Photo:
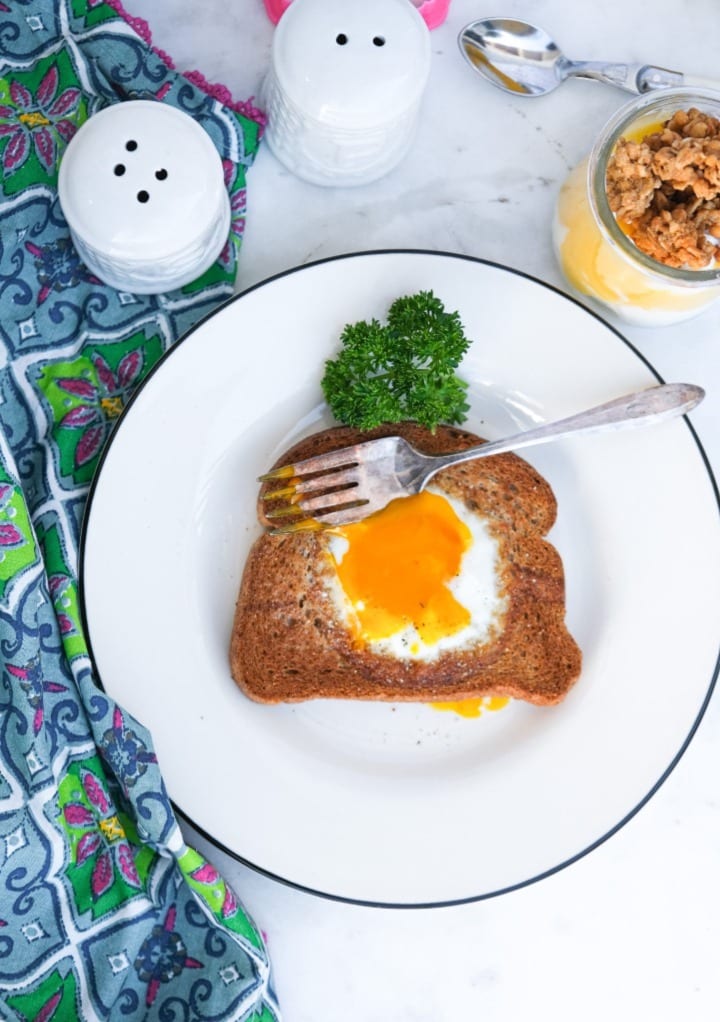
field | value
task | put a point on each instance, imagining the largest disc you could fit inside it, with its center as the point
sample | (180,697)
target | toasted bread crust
(288,643)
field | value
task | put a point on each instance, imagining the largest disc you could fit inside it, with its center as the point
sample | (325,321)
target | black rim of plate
(86,625)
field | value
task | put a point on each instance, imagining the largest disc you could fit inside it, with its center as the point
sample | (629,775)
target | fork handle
(641,408)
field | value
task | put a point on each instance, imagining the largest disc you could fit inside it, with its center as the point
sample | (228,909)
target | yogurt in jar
(596,250)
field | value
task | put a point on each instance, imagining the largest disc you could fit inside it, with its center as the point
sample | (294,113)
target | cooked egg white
(418,578)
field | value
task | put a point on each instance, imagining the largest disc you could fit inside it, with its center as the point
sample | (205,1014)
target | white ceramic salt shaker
(344,88)
(141,186)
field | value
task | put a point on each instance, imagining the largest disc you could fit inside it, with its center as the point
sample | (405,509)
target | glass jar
(597,257)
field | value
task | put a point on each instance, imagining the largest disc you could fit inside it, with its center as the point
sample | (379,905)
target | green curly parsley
(402,370)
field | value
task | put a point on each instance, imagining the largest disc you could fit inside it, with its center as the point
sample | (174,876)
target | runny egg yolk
(397,567)
(474,707)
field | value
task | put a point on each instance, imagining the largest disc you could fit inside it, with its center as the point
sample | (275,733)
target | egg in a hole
(454,594)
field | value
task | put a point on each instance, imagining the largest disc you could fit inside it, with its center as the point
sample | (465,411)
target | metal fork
(348,484)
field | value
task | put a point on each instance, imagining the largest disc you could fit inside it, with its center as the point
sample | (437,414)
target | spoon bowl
(523,60)
(517,57)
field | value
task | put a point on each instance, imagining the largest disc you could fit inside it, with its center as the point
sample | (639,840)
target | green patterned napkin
(104,912)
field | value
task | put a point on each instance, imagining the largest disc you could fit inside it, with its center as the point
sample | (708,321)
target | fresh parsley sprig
(404,369)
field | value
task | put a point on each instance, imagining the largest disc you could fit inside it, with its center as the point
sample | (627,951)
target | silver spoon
(522,59)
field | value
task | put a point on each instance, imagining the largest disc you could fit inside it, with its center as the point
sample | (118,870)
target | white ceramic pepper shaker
(141,186)
(344,88)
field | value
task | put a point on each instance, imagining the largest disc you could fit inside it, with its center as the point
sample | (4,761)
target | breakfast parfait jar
(637,224)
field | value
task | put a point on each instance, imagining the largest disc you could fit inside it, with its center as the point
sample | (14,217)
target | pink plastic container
(433,11)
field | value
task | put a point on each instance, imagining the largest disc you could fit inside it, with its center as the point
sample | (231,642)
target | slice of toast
(290,643)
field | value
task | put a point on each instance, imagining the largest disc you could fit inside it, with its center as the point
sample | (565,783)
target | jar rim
(671,100)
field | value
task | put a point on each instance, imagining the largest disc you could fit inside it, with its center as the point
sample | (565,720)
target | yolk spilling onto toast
(398,565)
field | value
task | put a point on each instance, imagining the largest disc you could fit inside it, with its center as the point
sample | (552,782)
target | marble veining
(631,931)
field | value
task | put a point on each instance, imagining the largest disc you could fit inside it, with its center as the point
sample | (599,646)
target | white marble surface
(632,931)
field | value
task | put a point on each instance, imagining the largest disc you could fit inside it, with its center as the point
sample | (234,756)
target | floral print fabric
(104,911)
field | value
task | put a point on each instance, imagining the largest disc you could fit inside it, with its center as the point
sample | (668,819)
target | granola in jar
(637,225)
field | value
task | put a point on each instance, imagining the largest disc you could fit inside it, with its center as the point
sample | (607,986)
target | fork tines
(343,456)
(307,486)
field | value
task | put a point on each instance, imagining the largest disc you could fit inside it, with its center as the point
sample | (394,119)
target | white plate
(402,804)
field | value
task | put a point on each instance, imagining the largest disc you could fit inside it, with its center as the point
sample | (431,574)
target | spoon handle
(651,77)
(639,77)
(622,76)
(699,82)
